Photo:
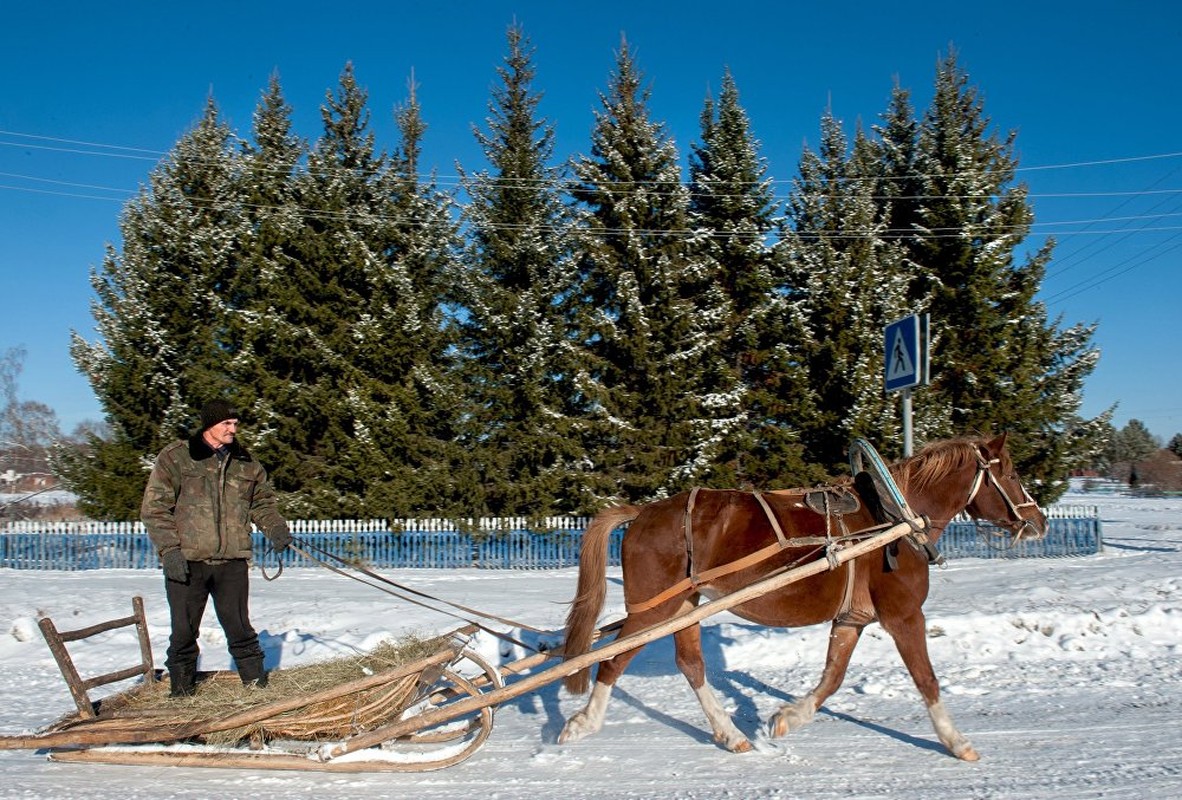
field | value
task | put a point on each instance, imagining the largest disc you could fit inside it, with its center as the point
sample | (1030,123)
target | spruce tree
(260,337)
(521,367)
(161,313)
(428,466)
(849,281)
(1175,445)
(302,309)
(760,385)
(998,362)
(346,318)
(899,182)
(1135,442)
(649,432)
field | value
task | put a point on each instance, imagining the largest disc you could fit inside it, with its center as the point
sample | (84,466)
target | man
(201,498)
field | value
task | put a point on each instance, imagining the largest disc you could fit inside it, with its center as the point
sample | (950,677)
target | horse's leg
(843,638)
(910,635)
(688,644)
(590,718)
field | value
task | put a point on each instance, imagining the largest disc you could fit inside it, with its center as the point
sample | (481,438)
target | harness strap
(688,527)
(847,598)
(983,468)
(695,579)
(767,510)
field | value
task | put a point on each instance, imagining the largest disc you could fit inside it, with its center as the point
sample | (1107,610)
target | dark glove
(280,539)
(176,566)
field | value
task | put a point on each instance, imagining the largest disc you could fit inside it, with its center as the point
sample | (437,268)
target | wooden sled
(289,732)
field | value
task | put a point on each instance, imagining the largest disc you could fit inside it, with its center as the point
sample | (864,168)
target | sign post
(906,364)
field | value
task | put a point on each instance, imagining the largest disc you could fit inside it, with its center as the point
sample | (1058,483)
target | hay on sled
(344,715)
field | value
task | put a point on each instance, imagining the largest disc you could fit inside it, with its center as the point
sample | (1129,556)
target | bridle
(985,472)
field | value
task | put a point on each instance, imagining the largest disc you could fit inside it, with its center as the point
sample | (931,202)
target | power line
(1134,224)
(1056,228)
(1104,162)
(56,182)
(122,151)
(1114,271)
(39,137)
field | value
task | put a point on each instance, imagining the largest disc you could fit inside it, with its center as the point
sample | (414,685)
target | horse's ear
(997,444)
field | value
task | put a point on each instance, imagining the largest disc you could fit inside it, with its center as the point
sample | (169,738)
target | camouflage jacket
(205,505)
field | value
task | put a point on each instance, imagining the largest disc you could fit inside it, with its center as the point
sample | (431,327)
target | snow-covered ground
(1065,674)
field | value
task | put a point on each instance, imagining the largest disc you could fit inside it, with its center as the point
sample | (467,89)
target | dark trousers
(229,585)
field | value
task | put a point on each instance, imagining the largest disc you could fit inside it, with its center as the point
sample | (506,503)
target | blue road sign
(903,367)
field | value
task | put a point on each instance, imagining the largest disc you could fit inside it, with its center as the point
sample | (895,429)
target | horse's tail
(592,589)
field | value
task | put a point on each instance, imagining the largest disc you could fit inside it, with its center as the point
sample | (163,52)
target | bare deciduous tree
(27,428)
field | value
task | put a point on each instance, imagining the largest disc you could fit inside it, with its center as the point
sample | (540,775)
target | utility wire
(1089,248)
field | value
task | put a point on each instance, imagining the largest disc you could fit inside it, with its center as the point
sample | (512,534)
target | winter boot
(251,671)
(183,681)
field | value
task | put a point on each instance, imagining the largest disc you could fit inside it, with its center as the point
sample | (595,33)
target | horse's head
(972,475)
(998,496)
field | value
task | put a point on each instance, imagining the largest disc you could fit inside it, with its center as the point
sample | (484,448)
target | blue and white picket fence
(444,544)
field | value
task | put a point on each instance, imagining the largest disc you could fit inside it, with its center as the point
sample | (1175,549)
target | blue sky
(93,99)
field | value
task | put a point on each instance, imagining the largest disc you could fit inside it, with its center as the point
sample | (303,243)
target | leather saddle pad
(832,500)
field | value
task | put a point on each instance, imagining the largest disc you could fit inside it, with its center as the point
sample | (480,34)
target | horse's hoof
(736,743)
(789,718)
(783,724)
(576,728)
(968,754)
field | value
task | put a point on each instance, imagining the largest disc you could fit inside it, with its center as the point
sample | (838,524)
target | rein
(263,567)
(403,592)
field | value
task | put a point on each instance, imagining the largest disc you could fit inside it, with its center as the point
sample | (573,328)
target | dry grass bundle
(349,713)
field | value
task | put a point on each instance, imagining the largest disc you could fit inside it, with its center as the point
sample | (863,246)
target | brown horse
(709,543)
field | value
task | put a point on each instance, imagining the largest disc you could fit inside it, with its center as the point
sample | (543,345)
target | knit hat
(216,411)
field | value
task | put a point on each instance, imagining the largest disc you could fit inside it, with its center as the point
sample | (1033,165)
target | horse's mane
(935,460)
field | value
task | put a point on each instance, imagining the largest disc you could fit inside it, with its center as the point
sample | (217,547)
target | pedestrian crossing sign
(905,365)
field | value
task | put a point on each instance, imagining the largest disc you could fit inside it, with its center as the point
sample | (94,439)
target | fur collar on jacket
(199,450)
